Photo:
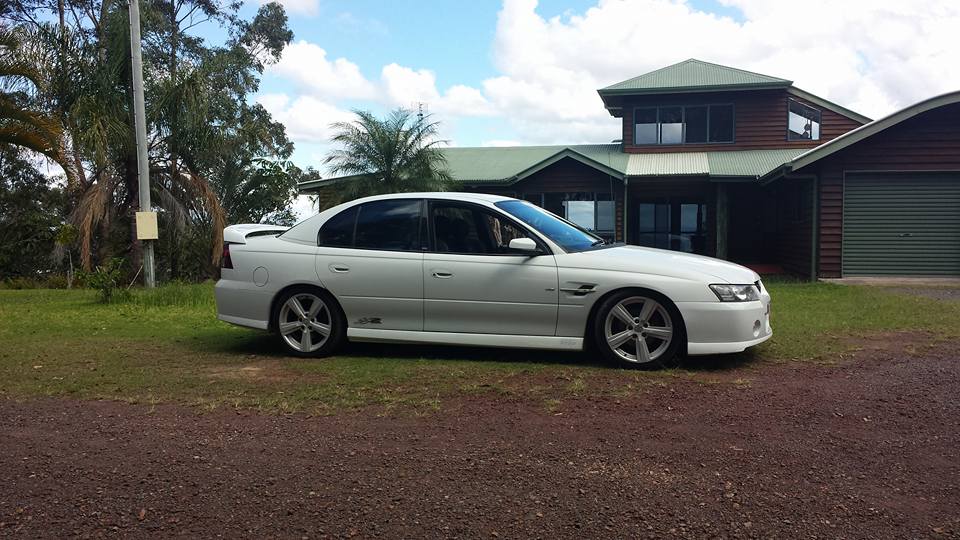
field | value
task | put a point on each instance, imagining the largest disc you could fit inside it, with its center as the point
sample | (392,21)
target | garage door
(901,224)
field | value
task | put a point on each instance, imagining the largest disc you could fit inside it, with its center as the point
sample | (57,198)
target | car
(473,269)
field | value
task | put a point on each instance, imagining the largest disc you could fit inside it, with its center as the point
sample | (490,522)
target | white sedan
(481,270)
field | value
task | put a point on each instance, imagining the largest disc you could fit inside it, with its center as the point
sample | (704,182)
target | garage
(887,196)
(901,224)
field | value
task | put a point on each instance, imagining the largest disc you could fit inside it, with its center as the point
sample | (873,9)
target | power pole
(146,219)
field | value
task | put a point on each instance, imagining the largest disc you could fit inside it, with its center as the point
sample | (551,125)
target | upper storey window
(675,124)
(803,122)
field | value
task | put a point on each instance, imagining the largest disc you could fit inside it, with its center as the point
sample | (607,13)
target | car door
(371,259)
(473,283)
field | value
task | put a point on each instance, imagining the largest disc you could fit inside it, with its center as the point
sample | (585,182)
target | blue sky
(526,72)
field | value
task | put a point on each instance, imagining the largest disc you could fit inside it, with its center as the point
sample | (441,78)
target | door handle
(339,268)
(442,274)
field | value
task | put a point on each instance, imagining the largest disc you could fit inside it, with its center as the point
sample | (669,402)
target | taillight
(225,261)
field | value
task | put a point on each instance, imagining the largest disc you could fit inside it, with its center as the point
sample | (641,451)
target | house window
(803,122)
(672,224)
(721,123)
(645,126)
(592,211)
(671,125)
(695,124)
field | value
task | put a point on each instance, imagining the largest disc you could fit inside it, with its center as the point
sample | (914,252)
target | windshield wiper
(598,243)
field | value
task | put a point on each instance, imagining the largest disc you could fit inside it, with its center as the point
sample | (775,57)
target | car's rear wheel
(639,329)
(309,322)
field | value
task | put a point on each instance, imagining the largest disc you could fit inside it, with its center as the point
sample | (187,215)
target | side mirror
(524,245)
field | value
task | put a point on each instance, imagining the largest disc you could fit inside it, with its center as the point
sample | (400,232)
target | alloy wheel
(304,322)
(638,329)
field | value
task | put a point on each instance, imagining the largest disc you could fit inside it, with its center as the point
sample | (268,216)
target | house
(747,167)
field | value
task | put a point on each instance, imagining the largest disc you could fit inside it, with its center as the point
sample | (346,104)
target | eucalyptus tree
(399,153)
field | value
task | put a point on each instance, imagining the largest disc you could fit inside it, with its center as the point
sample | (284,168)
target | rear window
(392,225)
(338,230)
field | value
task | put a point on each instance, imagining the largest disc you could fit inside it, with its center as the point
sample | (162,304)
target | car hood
(660,262)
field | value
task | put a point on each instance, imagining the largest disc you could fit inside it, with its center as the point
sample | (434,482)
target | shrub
(106,279)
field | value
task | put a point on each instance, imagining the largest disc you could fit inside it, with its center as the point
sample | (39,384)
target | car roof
(442,195)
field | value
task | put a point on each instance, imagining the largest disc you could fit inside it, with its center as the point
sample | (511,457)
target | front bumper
(725,327)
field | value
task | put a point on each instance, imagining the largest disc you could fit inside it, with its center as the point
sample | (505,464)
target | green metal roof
(744,164)
(755,163)
(493,165)
(504,165)
(691,76)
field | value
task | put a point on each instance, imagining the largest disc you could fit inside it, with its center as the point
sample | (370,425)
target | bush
(106,279)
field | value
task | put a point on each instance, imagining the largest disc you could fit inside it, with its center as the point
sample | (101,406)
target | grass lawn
(167,346)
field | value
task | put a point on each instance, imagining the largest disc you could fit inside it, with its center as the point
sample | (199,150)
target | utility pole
(146,219)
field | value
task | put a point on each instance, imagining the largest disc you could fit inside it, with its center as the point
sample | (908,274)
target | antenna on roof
(421,107)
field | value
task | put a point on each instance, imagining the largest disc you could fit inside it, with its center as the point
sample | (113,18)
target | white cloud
(307,64)
(873,56)
(405,87)
(301,7)
(307,118)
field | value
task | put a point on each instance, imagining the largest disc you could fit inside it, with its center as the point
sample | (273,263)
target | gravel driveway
(869,447)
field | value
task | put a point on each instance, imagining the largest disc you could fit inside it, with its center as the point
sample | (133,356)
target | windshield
(562,232)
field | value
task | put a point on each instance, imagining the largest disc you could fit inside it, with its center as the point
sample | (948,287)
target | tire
(639,329)
(309,323)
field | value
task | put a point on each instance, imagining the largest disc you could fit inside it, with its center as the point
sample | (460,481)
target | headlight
(736,293)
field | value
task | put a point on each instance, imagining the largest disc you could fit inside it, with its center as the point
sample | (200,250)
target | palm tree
(396,154)
(19,125)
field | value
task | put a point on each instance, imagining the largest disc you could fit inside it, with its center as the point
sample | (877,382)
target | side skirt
(481,340)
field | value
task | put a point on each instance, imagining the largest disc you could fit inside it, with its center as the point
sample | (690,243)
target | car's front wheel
(639,329)
(309,322)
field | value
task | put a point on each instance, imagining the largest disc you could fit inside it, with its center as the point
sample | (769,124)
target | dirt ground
(868,447)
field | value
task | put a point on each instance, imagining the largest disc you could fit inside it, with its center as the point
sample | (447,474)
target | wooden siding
(761,121)
(566,175)
(927,142)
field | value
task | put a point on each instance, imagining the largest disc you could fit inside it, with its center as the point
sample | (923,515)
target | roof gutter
(604,92)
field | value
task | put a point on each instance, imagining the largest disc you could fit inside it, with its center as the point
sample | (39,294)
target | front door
(474,284)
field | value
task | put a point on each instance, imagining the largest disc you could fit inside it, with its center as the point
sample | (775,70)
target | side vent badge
(583,290)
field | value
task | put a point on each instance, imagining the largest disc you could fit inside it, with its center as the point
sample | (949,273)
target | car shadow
(266,345)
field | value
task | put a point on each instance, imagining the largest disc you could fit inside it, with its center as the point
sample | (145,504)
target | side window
(502,232)
(803,122)
(469,230)
(338,230)
(392,225)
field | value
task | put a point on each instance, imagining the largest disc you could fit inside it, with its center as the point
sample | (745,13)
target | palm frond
(193,183)
(395,154)
(94,205)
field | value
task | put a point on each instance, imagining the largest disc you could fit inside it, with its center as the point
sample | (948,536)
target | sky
(526,72)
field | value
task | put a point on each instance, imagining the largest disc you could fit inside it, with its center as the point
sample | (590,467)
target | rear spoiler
(238,234)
